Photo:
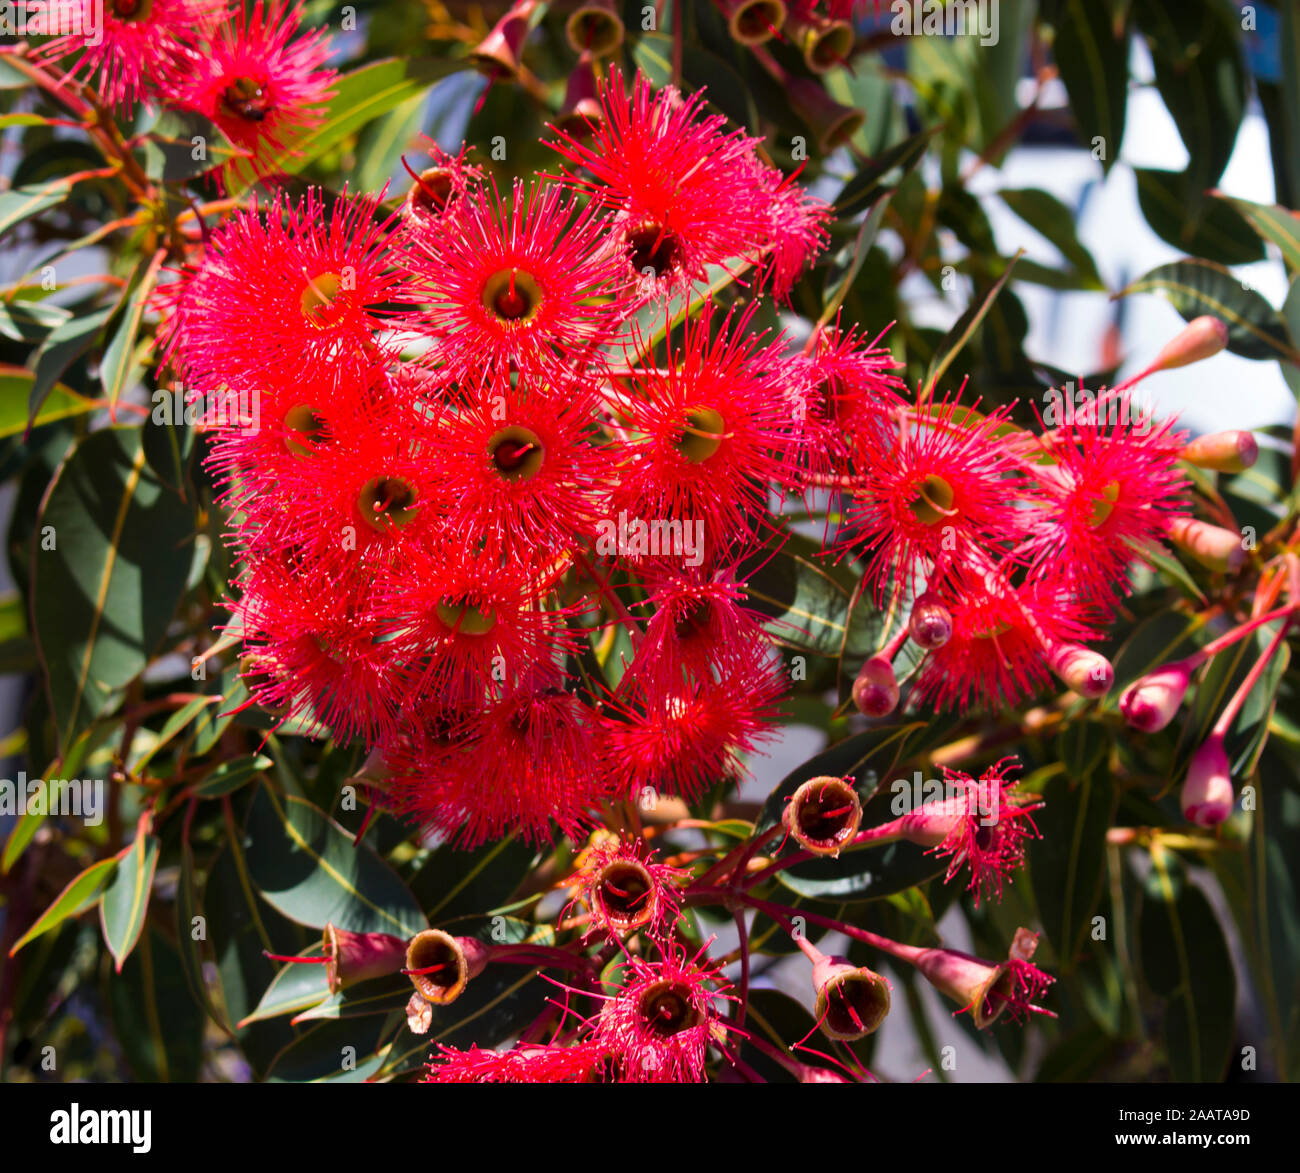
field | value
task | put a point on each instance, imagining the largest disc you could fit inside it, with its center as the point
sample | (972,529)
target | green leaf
(451,882)
(1275,223)
(21,203)
(126,900)
(169,148)
(189,920)
(1068,864)
(1195,47)
(345,1050)
(104,590)
(882,174)
(1288,105)
(81,892)
(230,776)
(306,867)
(806,606)
(847,263)
(1185,960)
(963,328)
(158,1023)
(1092,55)
(296,987)
(29,321)
(118,369)
(360,97)
(1194,287)
(66,343)
(1052,220)
(1194,223)
(18,387)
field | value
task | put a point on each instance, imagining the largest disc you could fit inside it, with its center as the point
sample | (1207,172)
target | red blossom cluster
(461,441)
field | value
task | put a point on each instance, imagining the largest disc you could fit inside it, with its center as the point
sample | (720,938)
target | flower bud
(497,55)
(1201,338)
(875,691)
(824,43)
(440,965)
(1233,451)
(832,123)
(1208,797)
(930,625)
(1212,546)
(581,110)
(852,1001)
(1149,704)
(751,22)
(1087,672)
(358,957)
(824,814)
(595,27)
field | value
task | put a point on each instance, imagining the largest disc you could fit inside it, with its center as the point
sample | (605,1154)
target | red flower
(1110,496)
(467,628)
(315,649)
(699,630)
(516,766)
(519,281)
(660,1024)
(1002,637)
(258,84)
(682,188)
(140,41)
(290,289)
(527,1063)
(981,826)
(943,487)
(687,738)
(514,464)
(624,889)
(704,435)
(845,397)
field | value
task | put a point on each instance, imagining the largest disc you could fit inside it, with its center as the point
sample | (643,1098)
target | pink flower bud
(1149,704)
(1201,338)
(1212,546)
(930,625)
(875,691)
(1208,796)
(1087,672)
(1223,451)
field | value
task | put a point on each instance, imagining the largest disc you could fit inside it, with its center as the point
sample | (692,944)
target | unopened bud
(875,691)
(1201,338)
(1211,545)
(1149,704)
(930,625)
(1087,672)
(1208,797)
(1233,451)
(824,814)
